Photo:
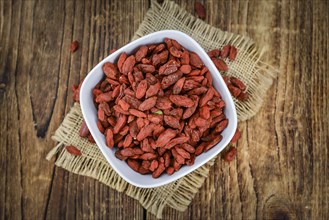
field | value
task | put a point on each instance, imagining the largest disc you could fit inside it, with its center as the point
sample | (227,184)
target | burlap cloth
(178,195)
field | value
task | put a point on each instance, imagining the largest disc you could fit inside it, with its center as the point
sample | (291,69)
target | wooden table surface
(281,171)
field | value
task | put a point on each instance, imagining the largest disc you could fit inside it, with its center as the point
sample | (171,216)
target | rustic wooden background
(281,171)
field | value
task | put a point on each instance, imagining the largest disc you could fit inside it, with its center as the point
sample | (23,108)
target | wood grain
(281,171)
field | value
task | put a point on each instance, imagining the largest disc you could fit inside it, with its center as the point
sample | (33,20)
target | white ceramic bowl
(90,113)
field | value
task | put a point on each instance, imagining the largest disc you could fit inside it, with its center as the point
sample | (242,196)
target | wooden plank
(318,87)
(11,188)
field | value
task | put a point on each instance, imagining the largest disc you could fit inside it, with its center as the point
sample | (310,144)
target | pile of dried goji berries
(158,106)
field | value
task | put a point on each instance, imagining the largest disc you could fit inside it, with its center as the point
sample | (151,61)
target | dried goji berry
(73,150)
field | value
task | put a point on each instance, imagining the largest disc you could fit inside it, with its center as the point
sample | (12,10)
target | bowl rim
(169,34)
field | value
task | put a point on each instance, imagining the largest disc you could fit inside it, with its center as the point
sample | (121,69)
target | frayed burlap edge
(179,194)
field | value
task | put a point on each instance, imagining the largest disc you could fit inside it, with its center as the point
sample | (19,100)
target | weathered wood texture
(281,171)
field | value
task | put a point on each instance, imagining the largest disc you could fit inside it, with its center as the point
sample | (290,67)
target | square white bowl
(89,110)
